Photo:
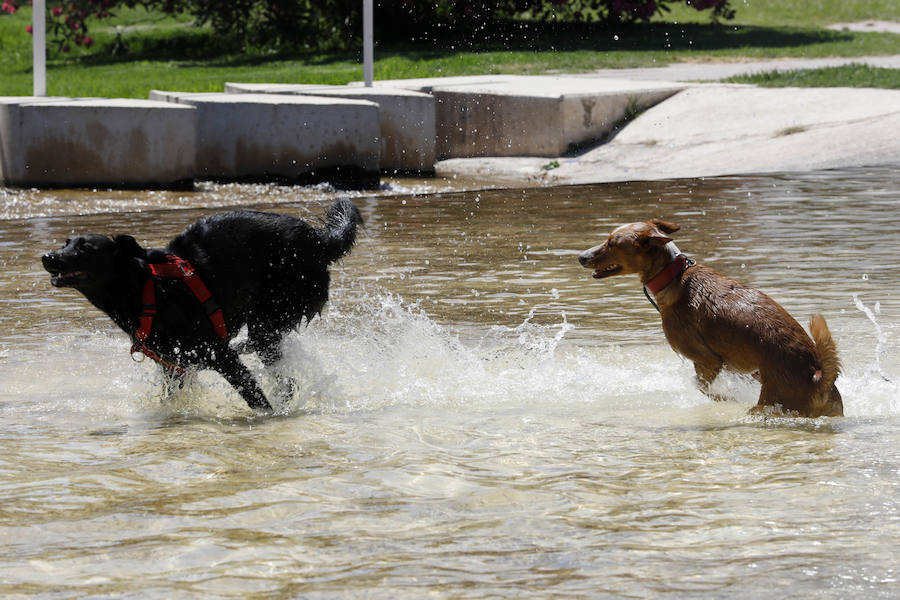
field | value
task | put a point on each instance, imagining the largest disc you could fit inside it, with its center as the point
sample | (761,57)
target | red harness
(174,268)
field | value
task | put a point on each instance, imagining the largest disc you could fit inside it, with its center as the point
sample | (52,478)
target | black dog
(263,270)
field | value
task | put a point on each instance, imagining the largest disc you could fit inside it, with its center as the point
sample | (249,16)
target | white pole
(39,46)
(368,43)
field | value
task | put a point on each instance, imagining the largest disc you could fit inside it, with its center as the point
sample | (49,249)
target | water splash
(880,337)
(377,352)
(871,390)
(383,352)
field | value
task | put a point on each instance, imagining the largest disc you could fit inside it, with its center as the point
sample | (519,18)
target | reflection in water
(476,416)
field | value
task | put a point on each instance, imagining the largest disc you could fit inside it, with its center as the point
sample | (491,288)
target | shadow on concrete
(202,44)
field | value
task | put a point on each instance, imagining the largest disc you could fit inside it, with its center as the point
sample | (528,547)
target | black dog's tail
(339,230)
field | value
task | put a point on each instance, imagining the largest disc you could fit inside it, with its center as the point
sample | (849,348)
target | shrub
(321,24)
(618,11)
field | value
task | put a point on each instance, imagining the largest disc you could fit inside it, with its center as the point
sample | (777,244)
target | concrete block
(62,142)
(406,119)
(427,84)
(536,116)
(257,137)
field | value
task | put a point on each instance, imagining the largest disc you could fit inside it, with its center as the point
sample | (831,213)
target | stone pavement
(721,129)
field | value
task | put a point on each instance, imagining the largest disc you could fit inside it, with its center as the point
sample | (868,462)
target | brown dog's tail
(827,350)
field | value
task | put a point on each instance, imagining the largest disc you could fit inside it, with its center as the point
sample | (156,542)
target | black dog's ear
(127,247)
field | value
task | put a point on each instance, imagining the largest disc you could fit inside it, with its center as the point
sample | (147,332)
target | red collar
(678,266)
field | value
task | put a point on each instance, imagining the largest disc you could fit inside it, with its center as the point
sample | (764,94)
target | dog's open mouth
(606,271)
(67,278)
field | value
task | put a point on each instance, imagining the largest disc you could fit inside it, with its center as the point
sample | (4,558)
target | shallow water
(477,417)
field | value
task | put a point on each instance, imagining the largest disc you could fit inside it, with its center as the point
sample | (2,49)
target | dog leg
(233,370)
(706,374)
(771,403)
(270,354)
(268,347)
(264,338)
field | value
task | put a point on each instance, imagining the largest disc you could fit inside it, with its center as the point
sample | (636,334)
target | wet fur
(266,271)
(719,323)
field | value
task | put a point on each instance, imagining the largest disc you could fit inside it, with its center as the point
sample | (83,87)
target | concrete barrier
(61,142)
(406,119)
(537,116)
(299,139)
(515,115)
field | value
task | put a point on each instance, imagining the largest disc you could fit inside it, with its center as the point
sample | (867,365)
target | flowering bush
(67,22)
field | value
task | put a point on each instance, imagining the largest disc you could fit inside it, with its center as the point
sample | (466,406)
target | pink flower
(7,7)
(30,30)
(88,41)
(57,10)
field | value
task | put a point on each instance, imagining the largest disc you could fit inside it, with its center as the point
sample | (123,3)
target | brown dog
(719,323)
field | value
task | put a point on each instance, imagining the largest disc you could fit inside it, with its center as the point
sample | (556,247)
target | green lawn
(847,76)
(169,54)
(799,13)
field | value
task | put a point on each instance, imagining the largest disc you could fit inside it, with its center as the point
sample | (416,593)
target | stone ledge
(539,116)
(513,115)
(406,119)
(88,142)
(268,137)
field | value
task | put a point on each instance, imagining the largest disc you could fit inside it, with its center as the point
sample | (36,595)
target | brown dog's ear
(665,226)
(127,247)
(656,239)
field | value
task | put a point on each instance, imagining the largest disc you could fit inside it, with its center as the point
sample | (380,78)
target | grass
(169,54)
(791,131)
(798,13)
(846,76)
